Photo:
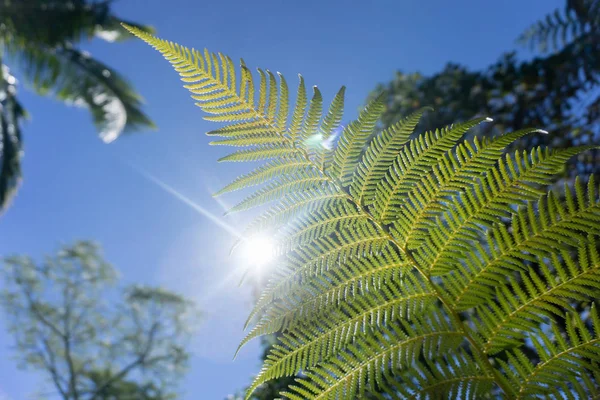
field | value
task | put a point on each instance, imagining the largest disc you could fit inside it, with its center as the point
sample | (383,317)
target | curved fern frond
(302,180)
(535,233)
(265,173)
(325,254)
(363,363)
(380,296)
(416,158)
(295,206)
(452,175)
(384,242)
(514,180)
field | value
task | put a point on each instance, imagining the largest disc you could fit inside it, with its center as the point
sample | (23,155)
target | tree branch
(139,360)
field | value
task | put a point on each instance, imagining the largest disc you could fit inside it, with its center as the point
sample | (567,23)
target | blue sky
(77,187)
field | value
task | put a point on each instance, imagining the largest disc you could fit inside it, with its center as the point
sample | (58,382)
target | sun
(258,251)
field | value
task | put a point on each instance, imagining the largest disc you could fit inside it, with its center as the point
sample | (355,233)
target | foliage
(414,267)
(558,89)
(123,390)
(87,345)
(40,37)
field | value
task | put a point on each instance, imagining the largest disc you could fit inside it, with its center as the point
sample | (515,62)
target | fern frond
(331,124)
(535,233)
(379,296)
(321,223)
(325,254)
(266,173)
(416,158)
(380,155)
(352,141)
(383,242)
(454,376)
(364,362)
(261,153)
(514,180)
(311,122)
(452,175)
(304,181)
(568,366)
(294,206)
(541,294)
(299,111)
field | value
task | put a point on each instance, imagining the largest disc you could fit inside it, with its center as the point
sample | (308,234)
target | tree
(122,389)
(409,268)
(87,340)
(556,90)
(40,38)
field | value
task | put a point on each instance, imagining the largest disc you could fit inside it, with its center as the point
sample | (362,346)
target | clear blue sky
(77,187)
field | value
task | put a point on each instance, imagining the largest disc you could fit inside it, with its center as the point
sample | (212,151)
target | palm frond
(77,78)
(11,116)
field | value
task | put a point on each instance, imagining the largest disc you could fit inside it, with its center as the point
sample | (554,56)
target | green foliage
(39,37)
(88,346)
(122,389)
(409,266)
(557,89)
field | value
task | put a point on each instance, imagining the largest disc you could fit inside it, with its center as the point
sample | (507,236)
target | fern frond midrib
(548,293)
(554,357)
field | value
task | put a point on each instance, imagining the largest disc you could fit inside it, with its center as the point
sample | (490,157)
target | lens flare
(258,251)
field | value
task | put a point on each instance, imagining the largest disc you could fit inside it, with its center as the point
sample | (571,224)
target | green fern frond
(325,254)
(380,155)
(364,362)
(455,376)
(265,173)
(415,159)
(299,111)
(352,141)
(261,153)
(421,268)
(539,295)
(311,122)
(568,365)
(379,297)
(514,180)
(452,175)
(536,233)
(307,180)
(295,206)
